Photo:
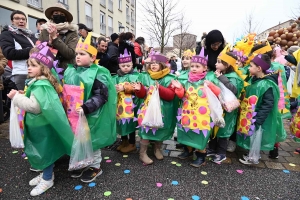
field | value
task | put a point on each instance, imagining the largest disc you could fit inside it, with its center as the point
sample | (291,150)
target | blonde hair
(45,71)
(161,66)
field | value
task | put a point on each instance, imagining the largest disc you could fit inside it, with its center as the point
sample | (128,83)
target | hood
(272,76)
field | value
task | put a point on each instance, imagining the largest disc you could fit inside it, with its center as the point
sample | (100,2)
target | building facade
(184,41)
(103,16)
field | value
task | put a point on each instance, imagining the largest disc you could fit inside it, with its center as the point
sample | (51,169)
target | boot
(200,159)
(143,154)
(187,153)
(128,148)
(157,151)
(123,144)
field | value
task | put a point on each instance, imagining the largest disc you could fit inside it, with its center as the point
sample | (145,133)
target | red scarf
(196,77)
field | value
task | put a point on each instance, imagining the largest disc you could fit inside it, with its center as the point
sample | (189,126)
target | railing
(128,19)
(132,22)
(102,29)
(132,2)
(103,3)
(110,5)
(89,21)
(35,3)
(110,31)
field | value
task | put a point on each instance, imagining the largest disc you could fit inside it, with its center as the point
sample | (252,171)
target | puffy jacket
(137,49)
(113,53)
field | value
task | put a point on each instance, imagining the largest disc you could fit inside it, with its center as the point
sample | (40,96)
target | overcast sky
(228,16)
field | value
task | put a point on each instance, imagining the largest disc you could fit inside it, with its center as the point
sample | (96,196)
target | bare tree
(250,25)
(295,13)
(159,20)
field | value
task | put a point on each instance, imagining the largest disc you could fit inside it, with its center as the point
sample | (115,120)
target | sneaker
(218,158)
(211,152)
(78,173)
(246,156)
(35,181)
(35,170)
(91,174)
(42,187)
(273,154)
(231,146)
(248,162)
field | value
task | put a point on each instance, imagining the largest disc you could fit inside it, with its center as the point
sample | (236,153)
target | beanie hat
(114,36)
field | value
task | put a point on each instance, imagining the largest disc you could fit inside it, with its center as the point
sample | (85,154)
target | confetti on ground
(204,173)
(178,165)
(292,165)
(92,184)
(108,161)
(295,152)
(158,184)
(173,163)
(1,190)
(118,164)
(195,197)
(25,158)
(23,155)
(286,171)
(244,198)
(204,182)
(174,182)
(128,199)
(239,171)
(106,158)
(127,171)
(14,152)
(107,193)
(125,156)
(170,199)
(78,187)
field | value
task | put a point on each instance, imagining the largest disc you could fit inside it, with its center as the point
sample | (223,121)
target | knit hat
(114,36)
(200,58)
(125,58)
(260,62)
(86,45)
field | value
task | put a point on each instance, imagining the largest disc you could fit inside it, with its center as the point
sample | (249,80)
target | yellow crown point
(226,58)
(86,45)
(81,85)
(189,53)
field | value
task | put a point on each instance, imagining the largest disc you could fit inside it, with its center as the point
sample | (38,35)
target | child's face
(125,67)
(83,58)
(197,68)
(239,63)
(220,66)
(34,69)
(186,61)
(254,69)
(154,66)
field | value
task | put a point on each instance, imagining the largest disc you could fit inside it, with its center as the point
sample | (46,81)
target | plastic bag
(290,82)
(216,110)
(228,99)
(15,135)
(82,150)
(153,117)
(255,142)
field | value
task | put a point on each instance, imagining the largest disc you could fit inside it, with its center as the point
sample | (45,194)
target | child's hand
(21,91)
(157,84)
(176,84)
(12,93)
(119,88)
(218,73)
(207,82)
(78,110)
(136,86)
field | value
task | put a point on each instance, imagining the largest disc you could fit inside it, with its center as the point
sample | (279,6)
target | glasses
(216,45)
(19,18)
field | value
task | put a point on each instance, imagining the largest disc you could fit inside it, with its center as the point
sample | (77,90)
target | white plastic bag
(15,136)
(82,149)
(255,142)
(216,110)
(228,99)
(290,81)
(153,117)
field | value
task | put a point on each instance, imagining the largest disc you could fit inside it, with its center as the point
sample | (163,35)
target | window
(110,5)
(127,29)
(4,17)
(103,3)
(127,14)
(120,25)
(132,2)
(35,3)
(120,4)
(88,15)
(110,25)
(132,17)
(102,23)
(31,24)
(63,2)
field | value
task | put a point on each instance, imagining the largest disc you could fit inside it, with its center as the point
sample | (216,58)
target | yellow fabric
(240,74)
(124,105)
(160,74)
(296,88)
(263,49)
(226,58)
(86,45)
(189,53)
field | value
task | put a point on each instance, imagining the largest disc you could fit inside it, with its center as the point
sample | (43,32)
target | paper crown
(44,56)
(226,58)
(264,49)
(260,62)
(125,58)
(200,58)
(156,56)
(86,45)
(189,53)
(243,58)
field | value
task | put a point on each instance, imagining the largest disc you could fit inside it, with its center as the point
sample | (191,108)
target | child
(259,108)
(186,63)
(99,103)
(45,121)
(226,73)
(157,75)
(195,124)
(127,105)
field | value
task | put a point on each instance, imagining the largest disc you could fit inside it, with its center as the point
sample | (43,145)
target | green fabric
(245,71)
(230,118)
(102,122)
(127,128)
(168,109)
(48,135)
(270,132)
(183,77)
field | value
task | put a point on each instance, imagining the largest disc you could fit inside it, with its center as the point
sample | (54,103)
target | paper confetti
(158,184)
(106,158)
(92,184)
(14,152)
(244,198)
(127,171)
(204,173)
(195,197)
(0,190)
(204,182)
(295,152)
(170,199)
(174,182)
(292,165)
(107,193)
(78,187)
(286,171)
(125,156)
(118,164)
(173,163)
(178,165)
(23,155)
(25,158)
(240,171)
(128,199)
(108,161)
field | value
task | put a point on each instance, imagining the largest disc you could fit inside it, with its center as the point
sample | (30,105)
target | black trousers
(131,138)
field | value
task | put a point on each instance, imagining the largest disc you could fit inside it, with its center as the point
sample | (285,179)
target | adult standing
(139,51)
(126,42)
(214,44)
(60,34)
(16,41)
(38,25)
(173,64)
(102,55)
(113,53)
(83,31)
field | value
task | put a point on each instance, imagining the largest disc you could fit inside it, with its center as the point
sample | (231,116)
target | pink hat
(200,58)
(44,56)
(156,56)
(125,58)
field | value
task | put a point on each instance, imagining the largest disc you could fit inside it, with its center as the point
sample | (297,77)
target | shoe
(186,153)
(90,174)
(218,158)
(297,150)
(36,180)
(273,154)
(248,162)
(179,146)
(123,144)
(35,170)
(211,152)
(143,154)
(231,146)
(157,151)
(78,173)
(200,160)
(42,187)
(128,148)
(246,156)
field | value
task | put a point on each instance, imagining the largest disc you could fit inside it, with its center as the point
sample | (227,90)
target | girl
(186,63)
(157,75)
(42,123)
(127,105)
(195,125)
(225,72)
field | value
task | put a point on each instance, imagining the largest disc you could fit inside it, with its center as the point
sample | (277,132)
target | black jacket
(103,59)
(113,52)
(173,66)
(124,45)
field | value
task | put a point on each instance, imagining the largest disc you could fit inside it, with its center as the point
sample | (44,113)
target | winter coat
(130,48)
(138,49)
(3,63)
(113,53)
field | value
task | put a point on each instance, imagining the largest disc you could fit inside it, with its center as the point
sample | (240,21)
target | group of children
(119,104)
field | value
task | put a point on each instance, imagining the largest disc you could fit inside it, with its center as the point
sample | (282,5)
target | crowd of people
(222,96)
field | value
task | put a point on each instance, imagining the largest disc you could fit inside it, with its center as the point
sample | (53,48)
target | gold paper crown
(226,58)
(189,53)
(86,45)
(264,49)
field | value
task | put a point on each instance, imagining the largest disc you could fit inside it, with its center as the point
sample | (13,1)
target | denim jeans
(47,172)
(97,159)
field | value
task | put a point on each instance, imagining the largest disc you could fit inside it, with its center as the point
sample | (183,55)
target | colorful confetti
(92,184)
(178,165)
(170,199)
(204,182)
(78,187)
(240,171)
(108,161)
(195,197)
(26,158)
(244,198)
(174,182)
(173,163)
(295,152)
(158,184)
(292,165)
(106,158)
(125,156)
(118,164)
(204,173)
(286,171)
(14,152)
(107,193)
(127,171)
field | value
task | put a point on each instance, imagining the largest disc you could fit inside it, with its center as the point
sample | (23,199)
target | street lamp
(121,29)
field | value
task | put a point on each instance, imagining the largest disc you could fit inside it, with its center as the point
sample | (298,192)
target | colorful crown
(226,58)
(44,56)
(189,53)
(200,58)
(260,62)
(156,56)
(243,58)
(264,49)
(125,58)
(86,45)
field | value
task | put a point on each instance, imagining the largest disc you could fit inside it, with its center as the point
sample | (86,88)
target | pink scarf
(196,77)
